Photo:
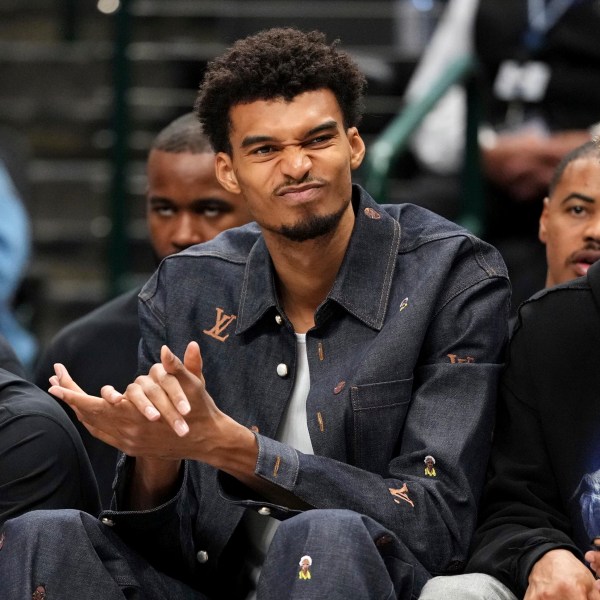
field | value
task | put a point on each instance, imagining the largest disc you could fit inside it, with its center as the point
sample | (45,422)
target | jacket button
(202,556)
(108,522)
(282,370)
(265,511)
(278,319)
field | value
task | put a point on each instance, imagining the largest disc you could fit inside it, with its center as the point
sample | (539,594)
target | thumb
(192,359)
(171,363)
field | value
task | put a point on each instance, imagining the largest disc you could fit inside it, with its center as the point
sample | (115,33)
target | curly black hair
(276,63)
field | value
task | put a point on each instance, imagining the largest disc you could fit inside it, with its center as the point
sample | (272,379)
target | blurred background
(85,86)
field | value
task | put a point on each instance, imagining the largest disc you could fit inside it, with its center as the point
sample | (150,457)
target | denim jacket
(404,360)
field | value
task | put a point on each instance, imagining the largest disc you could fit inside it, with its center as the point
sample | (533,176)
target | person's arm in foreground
(524,537)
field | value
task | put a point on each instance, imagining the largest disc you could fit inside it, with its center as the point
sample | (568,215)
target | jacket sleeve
(522,511)
(450,417)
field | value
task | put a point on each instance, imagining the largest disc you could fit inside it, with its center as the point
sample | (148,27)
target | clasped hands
(165,414)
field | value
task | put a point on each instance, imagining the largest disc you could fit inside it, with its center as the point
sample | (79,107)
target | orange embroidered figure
(401,494)
(429,466)
(305,564)
(223,322)
(454,359)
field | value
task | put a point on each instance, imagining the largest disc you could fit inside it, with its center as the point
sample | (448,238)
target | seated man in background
(533,532)
(185,205)
(43,463)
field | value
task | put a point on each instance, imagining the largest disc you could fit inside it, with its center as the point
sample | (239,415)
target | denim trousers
(68,554)
(471,586)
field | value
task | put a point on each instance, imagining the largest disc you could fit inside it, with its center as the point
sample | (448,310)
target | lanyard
(542,17)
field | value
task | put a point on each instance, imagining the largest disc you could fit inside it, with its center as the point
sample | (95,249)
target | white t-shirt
(293,430)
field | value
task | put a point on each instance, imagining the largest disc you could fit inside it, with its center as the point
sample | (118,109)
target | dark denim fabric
(404,361)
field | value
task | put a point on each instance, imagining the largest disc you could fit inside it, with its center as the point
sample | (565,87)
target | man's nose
(295,162)
(188,231)
(592,230)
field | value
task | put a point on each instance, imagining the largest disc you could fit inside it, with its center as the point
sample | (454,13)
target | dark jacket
(42,461)
(546,447)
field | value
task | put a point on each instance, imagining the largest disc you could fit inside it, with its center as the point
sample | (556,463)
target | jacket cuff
(277,462)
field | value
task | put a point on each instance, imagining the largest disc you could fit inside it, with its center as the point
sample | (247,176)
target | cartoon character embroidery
(429,468)
(305,564)
(401,494)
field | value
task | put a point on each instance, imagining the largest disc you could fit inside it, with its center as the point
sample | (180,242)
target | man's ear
(225,173)
(542,233)
(357,148)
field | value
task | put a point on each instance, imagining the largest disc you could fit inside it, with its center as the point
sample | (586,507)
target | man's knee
(470,586)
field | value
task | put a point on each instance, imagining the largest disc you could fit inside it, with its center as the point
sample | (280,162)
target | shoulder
(117,312)
(8,358)
(222,257)
(21,398)
(233,245)
(428,231)
(564,306)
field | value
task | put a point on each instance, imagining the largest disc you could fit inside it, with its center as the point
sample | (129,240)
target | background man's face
(186,205)
(570,222)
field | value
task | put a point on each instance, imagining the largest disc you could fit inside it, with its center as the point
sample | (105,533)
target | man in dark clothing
(185,205)
(43,463)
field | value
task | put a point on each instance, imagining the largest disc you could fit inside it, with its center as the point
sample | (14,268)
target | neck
(307,270)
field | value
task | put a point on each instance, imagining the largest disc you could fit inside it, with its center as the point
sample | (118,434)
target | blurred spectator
(15,247)
(536,61)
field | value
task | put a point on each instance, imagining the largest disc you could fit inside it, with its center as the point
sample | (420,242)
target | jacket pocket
(379,411)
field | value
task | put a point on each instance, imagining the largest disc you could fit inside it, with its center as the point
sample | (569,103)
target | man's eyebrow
(159,200)
(260,139)
(578,196)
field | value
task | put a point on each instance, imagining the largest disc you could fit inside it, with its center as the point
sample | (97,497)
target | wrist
(153,482)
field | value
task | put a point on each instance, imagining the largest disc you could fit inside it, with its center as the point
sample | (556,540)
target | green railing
(393,141)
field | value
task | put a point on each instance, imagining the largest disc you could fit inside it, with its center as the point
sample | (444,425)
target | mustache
(590,253)
(308,179)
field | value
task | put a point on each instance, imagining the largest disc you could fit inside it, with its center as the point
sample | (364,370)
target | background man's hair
(184,134)
(589,149)
(276,63)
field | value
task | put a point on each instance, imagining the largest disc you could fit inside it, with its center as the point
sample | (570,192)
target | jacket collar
(363,283)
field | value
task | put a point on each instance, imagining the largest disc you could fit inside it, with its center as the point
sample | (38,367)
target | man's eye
(263,150)
(322,139)
(577,210)
(164,211)
(211,213)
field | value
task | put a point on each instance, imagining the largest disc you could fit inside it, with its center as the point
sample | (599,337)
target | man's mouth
(583,260)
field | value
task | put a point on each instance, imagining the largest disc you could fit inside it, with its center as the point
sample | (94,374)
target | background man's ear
(225,173)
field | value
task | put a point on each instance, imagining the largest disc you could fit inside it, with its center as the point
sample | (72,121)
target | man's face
(570,222)
(293,163)
(185,204)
